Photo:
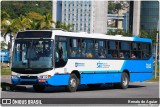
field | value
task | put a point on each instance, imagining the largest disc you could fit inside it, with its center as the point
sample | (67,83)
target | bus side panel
(58,80)
(100,78)
(138,65)
(139,77)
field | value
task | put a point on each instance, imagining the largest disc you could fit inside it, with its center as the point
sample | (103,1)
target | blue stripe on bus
(139,77)
(112,78)
(97,71)
(100,78)
(63,79)
(58,80)
(136,38)
(137,65)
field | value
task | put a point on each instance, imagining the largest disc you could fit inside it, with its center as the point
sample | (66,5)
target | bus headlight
(44,76)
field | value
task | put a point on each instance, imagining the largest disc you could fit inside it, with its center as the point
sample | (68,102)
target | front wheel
(73,83)
(38,88)
(124,81)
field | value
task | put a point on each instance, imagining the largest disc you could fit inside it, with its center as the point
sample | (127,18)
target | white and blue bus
(59,58)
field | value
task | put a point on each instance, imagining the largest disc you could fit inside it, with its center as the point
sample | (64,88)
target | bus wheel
(73,83)
(38,88)
(93,86)
(124,81)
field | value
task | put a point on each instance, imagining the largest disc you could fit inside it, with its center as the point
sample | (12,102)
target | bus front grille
(28,77)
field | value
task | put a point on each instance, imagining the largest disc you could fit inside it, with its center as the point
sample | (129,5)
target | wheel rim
(73,83)
(125,81)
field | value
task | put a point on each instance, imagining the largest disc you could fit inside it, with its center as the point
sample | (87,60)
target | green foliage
(5,71)
(114,7)
(119,32)
(3,44)
(4,15)
(17,8)
(145,34)
(30,15)
(64,26)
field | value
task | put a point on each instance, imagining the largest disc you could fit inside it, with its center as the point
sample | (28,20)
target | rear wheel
(38,88)
(124,81)
(73,83)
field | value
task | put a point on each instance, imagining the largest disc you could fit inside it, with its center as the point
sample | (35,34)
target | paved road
(135,90)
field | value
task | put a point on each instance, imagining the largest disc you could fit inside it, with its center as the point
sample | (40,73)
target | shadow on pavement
(51,89)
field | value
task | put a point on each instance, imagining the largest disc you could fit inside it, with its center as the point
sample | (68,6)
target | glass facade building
(149,15)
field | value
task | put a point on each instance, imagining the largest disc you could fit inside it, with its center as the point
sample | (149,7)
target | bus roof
(92,35)
(100,36)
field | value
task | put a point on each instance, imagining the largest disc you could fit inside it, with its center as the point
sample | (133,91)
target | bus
(59,58)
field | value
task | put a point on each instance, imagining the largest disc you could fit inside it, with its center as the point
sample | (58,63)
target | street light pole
(156,52)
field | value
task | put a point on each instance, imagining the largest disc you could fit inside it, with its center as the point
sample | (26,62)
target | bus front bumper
(56,80)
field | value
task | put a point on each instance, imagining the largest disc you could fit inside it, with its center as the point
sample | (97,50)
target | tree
(22,23)
(3,44)
(119,32)
(145,34)
(64,26)
(17,8)
(4,15)
(115,7)
(40,22)
(46,22)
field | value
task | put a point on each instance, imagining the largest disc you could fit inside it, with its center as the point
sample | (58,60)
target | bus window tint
(112,49)
(136,50)
(146,50)
(87,48)
(124,50)
(61,52)
(75,48)
(100,49)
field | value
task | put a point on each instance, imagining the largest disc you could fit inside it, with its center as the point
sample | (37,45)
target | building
(85,16)
(149,15)
(143,15)
(118,21)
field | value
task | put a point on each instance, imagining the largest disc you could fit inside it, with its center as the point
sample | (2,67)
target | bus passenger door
(60,53)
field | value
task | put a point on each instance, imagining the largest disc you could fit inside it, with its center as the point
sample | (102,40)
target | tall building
(143,15)
(149,15)
(85,16)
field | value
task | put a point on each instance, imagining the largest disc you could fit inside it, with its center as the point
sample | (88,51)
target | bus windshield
(33,53)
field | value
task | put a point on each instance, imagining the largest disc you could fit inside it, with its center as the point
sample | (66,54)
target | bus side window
(113,49)
(87,48)
(75,48)
(146,50)
(124,49)
(100,51)
(136,49)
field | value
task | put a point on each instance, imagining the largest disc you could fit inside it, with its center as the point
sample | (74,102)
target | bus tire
(124,81)
(38,88)
(73,83)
